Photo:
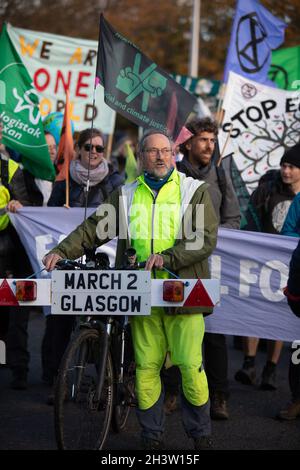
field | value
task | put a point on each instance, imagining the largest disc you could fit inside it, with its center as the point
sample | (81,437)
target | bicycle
(95,383)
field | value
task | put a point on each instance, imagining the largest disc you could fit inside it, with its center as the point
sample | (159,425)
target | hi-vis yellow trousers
(181,336)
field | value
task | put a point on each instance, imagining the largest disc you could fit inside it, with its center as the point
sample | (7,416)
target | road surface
(27,421)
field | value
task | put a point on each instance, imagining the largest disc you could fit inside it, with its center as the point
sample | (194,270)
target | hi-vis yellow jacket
(185,256)
(8,168)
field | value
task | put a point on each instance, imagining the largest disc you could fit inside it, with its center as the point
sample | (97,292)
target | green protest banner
(19,112)
(285,67)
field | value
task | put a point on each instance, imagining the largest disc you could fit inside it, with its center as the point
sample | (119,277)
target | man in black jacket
(292,291)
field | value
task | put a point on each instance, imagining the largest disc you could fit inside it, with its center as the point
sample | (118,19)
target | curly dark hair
(202,125)
(87,135)
(196,126)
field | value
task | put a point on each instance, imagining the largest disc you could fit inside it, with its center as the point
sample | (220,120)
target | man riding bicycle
(169,220)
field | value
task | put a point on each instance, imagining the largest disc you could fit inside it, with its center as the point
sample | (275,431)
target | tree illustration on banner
(264,121)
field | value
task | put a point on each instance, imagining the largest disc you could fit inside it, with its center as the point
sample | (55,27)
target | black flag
(137,88)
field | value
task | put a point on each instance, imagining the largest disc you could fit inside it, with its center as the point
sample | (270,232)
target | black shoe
(203,443)
(246,375)
(19,381)
(268,379)
(218,407)
(152,444)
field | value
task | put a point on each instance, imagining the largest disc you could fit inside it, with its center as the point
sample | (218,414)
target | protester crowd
(276,202)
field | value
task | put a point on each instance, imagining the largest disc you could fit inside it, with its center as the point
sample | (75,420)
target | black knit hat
(292,156)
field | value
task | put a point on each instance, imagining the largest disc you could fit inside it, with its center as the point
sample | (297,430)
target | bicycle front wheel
(82,411)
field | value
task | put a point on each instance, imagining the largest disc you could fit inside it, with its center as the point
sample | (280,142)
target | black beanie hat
(292,156)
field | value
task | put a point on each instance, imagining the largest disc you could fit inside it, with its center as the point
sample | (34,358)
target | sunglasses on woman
(98,148)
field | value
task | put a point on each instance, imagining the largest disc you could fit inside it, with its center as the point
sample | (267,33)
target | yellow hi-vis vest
(4,192)
(153,229)
(155,220)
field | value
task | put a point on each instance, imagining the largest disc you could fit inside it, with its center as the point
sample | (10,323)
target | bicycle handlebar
(72,264)
(69,263)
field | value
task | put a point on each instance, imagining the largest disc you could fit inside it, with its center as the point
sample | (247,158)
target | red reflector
(7,297)
(173,291)
(26,290)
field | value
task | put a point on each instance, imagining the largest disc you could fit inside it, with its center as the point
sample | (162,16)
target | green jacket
(186,263)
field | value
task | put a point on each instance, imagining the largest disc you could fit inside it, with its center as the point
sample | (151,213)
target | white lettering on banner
(215,270)
(43,244)
(265,280)
(246,277)
(9,126)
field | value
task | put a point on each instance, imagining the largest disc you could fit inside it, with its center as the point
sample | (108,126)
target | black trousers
(216,363)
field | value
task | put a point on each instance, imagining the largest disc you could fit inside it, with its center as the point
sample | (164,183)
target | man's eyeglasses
(99,148)
(153,151)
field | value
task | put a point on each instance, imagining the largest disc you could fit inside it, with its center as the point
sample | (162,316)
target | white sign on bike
(101,292)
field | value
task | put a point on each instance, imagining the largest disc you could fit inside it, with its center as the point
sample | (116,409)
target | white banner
(263,121)
(56,63)
(253,269)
